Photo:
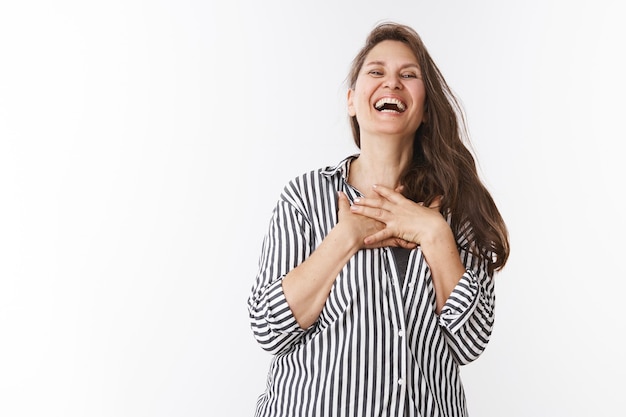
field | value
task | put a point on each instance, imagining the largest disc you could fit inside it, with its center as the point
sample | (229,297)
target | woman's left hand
(403,218)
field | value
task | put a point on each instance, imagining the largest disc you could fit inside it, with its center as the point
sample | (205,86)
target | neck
(381,162)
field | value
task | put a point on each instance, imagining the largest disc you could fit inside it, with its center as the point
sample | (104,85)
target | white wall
(143,144)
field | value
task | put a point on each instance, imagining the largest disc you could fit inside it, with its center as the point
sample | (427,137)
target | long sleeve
(468,315)
(286,244)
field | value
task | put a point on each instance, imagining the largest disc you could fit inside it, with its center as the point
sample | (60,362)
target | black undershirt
(402,260)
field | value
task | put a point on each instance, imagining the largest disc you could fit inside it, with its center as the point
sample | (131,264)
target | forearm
(442,256)
(307,286)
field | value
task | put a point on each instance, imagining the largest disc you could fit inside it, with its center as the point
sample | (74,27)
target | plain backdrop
(143,145)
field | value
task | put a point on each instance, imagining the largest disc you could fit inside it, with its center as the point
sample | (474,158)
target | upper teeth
(388,100)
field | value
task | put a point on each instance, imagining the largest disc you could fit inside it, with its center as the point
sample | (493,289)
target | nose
(393,82)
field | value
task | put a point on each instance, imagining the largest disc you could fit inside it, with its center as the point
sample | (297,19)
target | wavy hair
(442,164)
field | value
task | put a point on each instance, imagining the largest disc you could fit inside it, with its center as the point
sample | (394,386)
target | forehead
(390,50)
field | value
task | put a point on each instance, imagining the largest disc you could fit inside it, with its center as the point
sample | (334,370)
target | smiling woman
(375,280)
(393,66)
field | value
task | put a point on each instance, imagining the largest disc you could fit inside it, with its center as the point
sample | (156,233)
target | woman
(375,279)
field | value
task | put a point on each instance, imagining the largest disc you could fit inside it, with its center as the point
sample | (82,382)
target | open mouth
(390,105)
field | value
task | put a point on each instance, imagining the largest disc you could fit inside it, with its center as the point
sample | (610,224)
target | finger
(377,237)
(405,244)
(342,201)
(436,203)
(375,212)
(384,243)
(392,242)
(387,193)
(369,202)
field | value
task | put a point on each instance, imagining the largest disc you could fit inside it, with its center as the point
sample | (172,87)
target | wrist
(344,239)
(440,237)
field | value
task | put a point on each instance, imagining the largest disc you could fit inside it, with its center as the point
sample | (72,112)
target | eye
(375,73)
(409,75)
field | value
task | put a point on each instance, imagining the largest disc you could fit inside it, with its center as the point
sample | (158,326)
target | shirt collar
(342,168)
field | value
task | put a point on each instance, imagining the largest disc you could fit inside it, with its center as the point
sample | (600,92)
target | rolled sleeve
(273,323)
(287,243)
(467,317)
(461,303)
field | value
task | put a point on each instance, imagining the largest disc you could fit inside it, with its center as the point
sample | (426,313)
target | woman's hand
(400,217)
(413,222)
(363,226)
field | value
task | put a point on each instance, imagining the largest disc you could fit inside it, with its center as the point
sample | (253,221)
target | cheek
(420,103)
(421,94)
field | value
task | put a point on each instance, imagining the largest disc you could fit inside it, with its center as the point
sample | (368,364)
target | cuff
(279,315)
(461,303)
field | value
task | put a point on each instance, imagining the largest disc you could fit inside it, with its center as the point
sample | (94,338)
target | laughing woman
(375,279)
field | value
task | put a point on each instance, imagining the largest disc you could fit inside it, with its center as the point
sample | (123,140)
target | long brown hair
(442,164)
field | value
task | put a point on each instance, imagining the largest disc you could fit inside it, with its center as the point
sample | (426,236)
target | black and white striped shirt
(378,347)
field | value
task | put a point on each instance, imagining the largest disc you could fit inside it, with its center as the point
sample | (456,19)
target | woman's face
(388,96)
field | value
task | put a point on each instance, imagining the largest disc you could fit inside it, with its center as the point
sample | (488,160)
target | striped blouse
(378,347)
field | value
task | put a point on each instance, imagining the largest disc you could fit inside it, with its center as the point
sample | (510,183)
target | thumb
(342,201)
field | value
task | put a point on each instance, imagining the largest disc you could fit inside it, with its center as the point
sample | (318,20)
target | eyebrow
(382,63)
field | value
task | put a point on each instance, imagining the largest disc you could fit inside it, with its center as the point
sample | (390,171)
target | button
(400,381)
(401,333)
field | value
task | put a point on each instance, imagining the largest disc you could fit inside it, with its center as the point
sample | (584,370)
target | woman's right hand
(362,226)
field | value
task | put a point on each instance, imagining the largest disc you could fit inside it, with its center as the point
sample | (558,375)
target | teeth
(388,101)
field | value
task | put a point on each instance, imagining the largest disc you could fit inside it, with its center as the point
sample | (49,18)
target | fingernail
(357,200)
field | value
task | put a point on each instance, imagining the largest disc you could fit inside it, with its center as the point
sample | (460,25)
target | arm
(468,315)
(295,278)
(307,286)
(442,256)
(288,240)
(463,288)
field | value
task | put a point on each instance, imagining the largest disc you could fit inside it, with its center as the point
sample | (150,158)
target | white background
(143,145)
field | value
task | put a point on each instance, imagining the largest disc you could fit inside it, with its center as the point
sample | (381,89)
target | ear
(351,110)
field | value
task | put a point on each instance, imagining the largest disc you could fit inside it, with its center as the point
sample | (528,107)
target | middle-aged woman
(375,279)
